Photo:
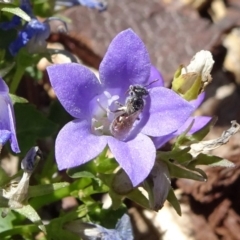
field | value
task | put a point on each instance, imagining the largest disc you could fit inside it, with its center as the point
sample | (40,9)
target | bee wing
(122,125)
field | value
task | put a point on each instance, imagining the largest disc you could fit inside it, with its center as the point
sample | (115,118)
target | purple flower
(199,122)
(95,105)
(90,231)
(101,5)
(7,119)
(34,35)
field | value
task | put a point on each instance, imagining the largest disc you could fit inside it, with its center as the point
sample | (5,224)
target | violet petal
(167,112)
(13,139)
(196,103)
(126,62)
(135,161)
(155,75)
(76,145)
(7,119)
(75,86)
(199,122)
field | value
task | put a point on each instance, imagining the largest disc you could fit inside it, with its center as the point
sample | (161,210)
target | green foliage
(16,11)
(31,126)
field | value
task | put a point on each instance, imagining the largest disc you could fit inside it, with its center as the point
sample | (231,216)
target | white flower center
(102,113)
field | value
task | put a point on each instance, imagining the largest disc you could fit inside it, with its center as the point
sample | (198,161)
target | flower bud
(190,81)
(158,184)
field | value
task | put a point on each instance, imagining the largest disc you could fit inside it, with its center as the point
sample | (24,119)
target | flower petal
(167,112)
(155,75)
(75,86)
(199,122)
(5,135)
(136,156)
(3,87)
(160,141)
(7,119)
(35,30)
(76,145)
(13,140)
(126,62)
(196,103)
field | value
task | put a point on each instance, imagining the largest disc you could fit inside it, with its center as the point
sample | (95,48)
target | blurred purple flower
(33,34)
(101,5)
(7,119)
(90,231)
(87,99)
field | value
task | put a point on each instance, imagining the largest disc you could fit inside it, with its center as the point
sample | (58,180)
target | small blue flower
(90,231)
(33,35)
(101,5)
(16,20)
(7,119)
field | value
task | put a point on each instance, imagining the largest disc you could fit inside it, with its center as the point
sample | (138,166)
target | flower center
(103,114)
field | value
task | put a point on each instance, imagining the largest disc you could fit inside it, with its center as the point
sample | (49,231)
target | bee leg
(121,107)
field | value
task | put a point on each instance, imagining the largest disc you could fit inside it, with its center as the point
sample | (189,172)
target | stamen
(106,110)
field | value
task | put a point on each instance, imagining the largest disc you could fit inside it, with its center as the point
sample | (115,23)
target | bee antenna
(151,82)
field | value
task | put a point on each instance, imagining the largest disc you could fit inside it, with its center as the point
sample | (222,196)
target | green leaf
(58,114)
(204,159)
(223,163)
(7,36)
(31,125)
(41,190)
(17,11)
(4,202)
(6,223)
(201,133)
(7,69)
(78,174)
(85,170)
(3,177)
(17,99)
(116,199)
(179,155)
(180,172)
(185,139)
(137,197)
(174,201)
(30,213)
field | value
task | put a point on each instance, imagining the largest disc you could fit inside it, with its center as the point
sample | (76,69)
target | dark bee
(130,112)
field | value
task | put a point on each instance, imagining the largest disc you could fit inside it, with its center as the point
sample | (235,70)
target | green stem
(21,230)
(38,202)
(16,79)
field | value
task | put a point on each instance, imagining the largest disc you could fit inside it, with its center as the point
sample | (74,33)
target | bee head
(137,91)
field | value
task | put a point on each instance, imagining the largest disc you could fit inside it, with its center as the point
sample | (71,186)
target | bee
(129,113)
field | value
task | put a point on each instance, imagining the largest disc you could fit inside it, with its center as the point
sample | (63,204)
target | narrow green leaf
(17,99)
(137,197)
(6,223)
(30,213)
(223,163)
(41,190)
(71,173)
(174,201)
(18,12)
(180,172)
(3,202)
(3,177)
(4,71)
